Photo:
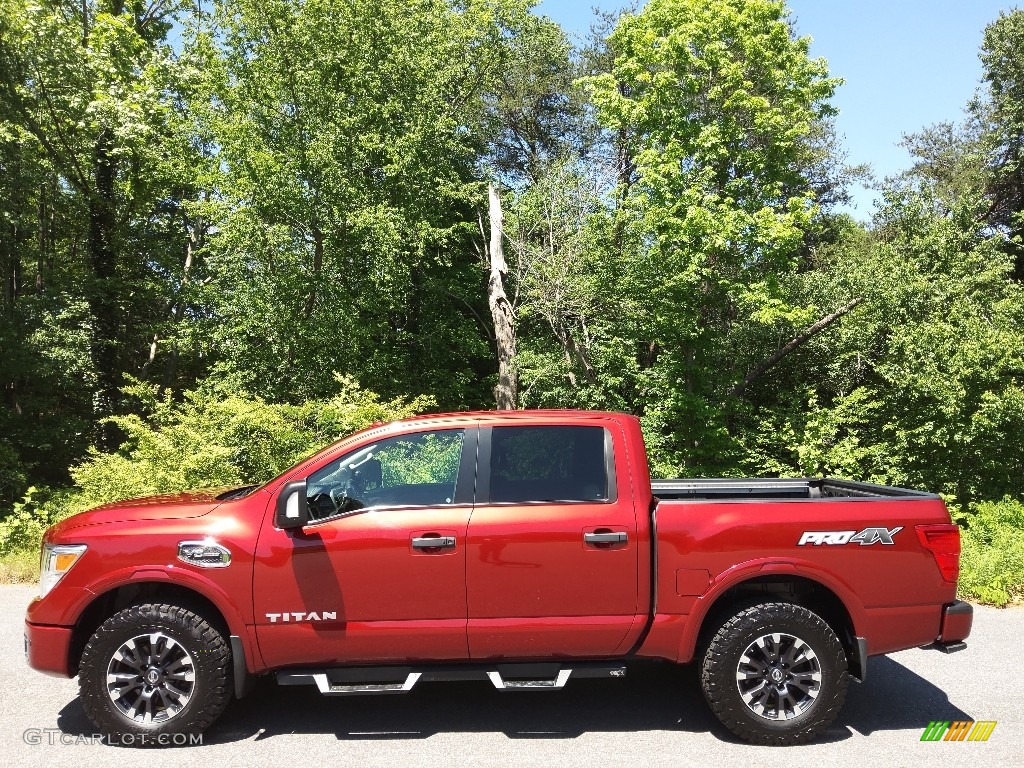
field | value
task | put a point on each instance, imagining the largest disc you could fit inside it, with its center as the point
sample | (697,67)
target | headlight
(57,560)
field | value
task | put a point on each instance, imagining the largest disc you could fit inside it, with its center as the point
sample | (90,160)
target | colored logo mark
(958,730)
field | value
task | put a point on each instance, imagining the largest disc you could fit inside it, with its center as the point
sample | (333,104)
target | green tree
(87,83)
(574,302)
(921,385)
(722,99)
(350,134)
(93,240)
(534,110)
(1002,56)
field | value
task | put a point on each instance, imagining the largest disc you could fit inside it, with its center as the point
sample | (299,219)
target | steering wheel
(322,505)
(342,501)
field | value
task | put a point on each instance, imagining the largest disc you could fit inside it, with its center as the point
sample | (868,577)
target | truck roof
(537,415)
(467,418)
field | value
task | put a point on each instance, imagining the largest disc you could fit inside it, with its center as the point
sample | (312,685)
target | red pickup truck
(521,548)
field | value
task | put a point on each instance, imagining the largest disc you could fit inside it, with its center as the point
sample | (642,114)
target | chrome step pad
(356,681)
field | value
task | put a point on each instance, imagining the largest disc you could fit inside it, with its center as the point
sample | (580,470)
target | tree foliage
(214,217)
(721,100)
(348,134)
(210,439)
(1003,138)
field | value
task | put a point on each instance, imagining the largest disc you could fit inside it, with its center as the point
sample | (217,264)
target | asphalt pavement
(656,716)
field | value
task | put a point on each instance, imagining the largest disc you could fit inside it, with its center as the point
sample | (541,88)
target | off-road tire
(208,654)
(721,663)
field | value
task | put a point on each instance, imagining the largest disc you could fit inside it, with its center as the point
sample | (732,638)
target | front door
(379,573)
(552,553)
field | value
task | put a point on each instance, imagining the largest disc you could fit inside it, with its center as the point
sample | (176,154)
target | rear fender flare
(750,570)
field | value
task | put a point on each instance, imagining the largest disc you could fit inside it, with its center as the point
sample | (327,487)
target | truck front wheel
(775,674)
(153,671)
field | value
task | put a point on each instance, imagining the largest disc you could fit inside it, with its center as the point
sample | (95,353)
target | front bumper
(957,618)
(47,648)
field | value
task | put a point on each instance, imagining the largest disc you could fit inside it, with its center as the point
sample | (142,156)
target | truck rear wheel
(775,674)
(153,671)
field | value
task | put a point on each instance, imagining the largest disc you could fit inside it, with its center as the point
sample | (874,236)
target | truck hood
(170,506)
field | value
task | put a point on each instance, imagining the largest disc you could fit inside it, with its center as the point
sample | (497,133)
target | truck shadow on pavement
(653,697)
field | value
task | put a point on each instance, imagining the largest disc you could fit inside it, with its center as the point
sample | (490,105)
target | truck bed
(782,489)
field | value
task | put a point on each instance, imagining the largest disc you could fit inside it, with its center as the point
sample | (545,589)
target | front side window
(548,464)
(420,469)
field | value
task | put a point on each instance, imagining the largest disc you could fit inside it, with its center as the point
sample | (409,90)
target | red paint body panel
(144,550)
(46,648)
(528,568)
(392,603)
(893,593)
(520,582)
(551,637)
(535,588)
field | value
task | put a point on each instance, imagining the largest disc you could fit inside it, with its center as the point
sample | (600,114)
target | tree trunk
(794,343)
(12,268)
(318,266)
(101,288)
(102,291)
(195,241)
(574,353)
(506,393)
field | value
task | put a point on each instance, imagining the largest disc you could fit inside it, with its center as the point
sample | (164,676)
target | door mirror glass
(292,509)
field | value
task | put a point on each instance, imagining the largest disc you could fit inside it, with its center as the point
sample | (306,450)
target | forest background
(232,231)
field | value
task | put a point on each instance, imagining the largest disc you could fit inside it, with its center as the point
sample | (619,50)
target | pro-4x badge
(864,538)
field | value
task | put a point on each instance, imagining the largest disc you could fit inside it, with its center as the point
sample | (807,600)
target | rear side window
(538,464)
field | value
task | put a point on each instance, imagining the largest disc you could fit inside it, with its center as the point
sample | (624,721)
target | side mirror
(292,511)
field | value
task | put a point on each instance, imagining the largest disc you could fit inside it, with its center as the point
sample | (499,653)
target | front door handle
(433,542)
(617,537)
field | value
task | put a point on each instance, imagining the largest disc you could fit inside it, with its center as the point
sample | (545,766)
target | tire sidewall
(184,628)
(729,648)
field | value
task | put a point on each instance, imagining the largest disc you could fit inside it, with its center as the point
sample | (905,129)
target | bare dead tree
(506,392)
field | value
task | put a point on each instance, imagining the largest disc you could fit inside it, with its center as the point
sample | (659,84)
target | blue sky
(907,64)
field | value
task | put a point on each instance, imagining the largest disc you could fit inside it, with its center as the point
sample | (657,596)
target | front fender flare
(181,578)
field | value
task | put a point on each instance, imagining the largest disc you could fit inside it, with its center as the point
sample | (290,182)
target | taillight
(943,541)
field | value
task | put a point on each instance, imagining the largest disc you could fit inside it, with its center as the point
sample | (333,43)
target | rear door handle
(433,542)
(618,537)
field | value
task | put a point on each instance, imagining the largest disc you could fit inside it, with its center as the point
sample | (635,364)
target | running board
(502,684)
(356,681)
(330,688)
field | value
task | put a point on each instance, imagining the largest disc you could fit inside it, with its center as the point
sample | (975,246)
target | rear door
(552,543)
